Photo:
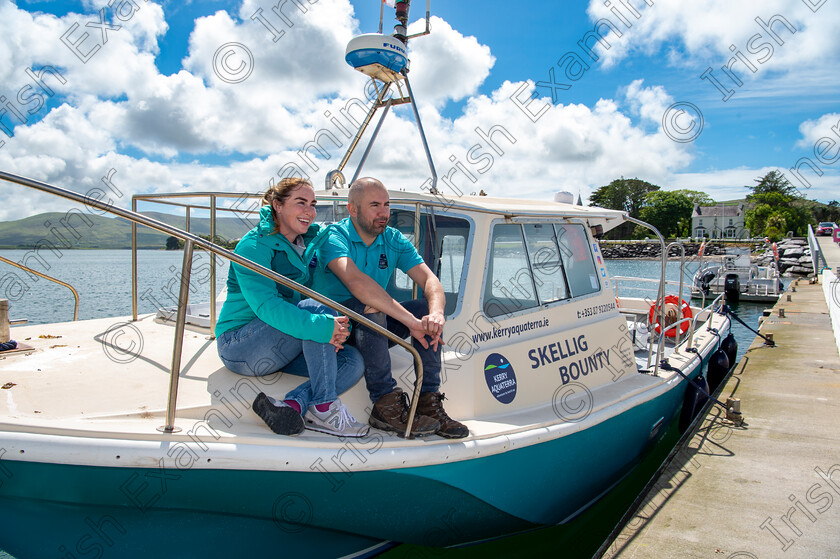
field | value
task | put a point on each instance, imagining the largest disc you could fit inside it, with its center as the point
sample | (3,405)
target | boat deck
(771,487)
(108,380)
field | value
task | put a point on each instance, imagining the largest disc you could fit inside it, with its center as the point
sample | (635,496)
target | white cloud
(828,125)
(650,103)
(705,30)
(730,184)
(445,65)
(118,104)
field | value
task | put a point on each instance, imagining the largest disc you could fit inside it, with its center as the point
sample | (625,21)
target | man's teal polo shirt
(389,251)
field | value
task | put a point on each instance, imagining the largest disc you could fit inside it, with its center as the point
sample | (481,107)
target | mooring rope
(726,310)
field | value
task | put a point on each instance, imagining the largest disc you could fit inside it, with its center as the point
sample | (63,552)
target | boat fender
(730,346)
(718,367)
(675,309)
(693,402)
(706,280)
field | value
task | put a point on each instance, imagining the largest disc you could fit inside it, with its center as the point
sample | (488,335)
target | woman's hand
(341,331)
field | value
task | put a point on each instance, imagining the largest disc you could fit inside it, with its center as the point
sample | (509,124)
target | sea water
(103,281)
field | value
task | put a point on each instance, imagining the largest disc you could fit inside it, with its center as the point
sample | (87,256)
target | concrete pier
(770,487)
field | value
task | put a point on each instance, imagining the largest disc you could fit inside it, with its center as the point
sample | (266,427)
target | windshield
(826,224)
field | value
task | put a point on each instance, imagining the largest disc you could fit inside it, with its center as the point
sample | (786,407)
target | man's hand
(430,325)
(418,332)
(341,331)
(433,324)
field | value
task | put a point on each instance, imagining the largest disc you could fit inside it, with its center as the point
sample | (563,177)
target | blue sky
(149,103)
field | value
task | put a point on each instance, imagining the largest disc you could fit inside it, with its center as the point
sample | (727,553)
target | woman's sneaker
(280,417)
(337,421)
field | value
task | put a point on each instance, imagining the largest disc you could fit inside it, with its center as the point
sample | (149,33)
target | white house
(719,222)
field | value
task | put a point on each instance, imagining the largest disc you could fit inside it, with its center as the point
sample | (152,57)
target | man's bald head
(362,186)
(369,207)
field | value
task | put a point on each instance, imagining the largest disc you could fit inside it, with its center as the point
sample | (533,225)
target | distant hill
(76,229)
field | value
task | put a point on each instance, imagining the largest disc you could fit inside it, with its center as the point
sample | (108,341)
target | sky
(516,99)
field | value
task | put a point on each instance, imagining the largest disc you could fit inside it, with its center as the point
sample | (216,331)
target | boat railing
(660,296)
(191,241)
(705,313)
(46,277)
(619,282)
(817,256)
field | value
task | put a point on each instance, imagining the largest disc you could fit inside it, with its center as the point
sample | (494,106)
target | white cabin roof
(502,206)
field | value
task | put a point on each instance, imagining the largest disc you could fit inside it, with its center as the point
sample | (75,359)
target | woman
(265,327)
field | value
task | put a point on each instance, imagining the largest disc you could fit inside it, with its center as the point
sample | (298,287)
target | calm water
(103,280)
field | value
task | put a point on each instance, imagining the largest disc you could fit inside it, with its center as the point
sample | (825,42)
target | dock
(770,487)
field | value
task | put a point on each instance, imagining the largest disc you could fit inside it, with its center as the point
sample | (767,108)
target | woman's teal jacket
(250,295)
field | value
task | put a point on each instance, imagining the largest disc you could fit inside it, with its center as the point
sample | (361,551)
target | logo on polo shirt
(383,261)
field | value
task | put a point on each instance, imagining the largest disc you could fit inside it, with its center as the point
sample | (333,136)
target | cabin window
(443,247)
(581,273)
(535,264)
(509,286)
(544,254)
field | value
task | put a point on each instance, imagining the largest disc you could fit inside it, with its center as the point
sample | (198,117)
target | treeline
(774,207)
(174,243)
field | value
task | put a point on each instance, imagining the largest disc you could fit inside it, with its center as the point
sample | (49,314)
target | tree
(826,212)
(174,243)
(626,195)
(777,208)
(696,197)
(773,182)
(668,211)
(221,241)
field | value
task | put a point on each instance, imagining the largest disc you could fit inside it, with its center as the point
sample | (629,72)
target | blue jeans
(374,349)
(258,349)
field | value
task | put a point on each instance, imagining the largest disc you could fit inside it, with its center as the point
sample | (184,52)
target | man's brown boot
(390,413)
(431,405)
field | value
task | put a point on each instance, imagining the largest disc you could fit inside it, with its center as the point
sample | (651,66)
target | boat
(739,278)
(127,435)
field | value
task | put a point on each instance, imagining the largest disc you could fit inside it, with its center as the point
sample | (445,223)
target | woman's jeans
(258,349)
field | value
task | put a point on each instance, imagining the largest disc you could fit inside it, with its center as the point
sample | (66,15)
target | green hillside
(76,229)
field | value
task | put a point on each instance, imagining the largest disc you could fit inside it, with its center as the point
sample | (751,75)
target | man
(357,262)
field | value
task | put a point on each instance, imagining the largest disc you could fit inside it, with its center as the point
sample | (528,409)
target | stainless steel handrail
(682,275)
(817,255)
(661,293)
(434,201)
(58,281)
(137,218)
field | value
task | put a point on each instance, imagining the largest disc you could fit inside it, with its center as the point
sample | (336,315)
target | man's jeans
(374,349)
(258,349)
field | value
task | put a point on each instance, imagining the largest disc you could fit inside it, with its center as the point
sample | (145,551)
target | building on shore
(719,222)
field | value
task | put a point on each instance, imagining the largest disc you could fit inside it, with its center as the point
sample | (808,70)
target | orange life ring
(684,309)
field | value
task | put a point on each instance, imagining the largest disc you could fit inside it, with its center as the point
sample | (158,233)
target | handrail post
(174,375)
(660,298)
(213,268)
(133,261)
(682,277)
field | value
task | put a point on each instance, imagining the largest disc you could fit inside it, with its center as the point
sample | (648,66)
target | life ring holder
(685,310)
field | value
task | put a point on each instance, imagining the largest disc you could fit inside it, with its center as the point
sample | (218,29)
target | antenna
(384,59)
